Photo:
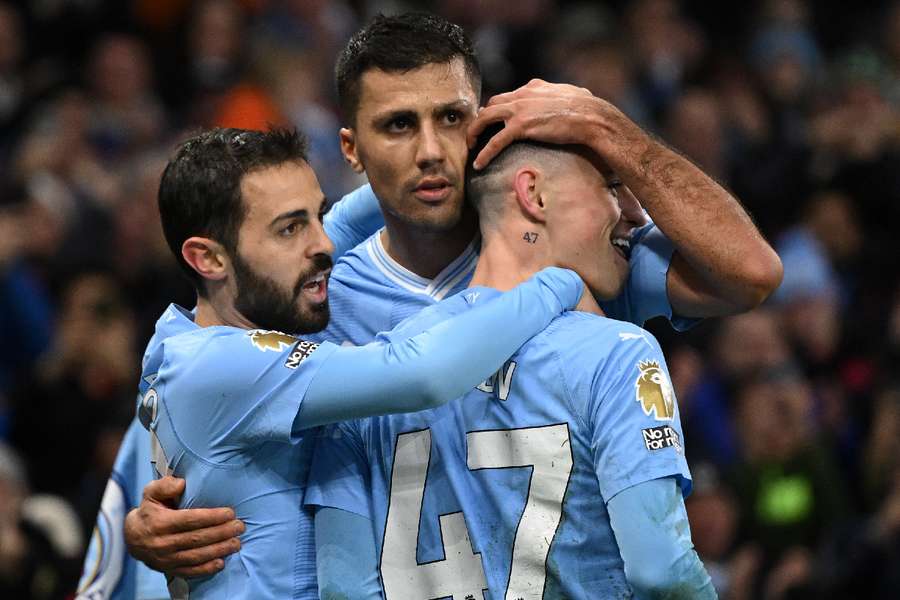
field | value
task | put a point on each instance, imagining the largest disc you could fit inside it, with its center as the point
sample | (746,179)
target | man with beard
(228,399)
(562,475)
(409,87)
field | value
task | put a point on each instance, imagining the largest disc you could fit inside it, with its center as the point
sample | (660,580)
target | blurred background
(791,412)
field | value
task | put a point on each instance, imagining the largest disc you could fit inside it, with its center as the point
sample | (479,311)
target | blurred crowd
(791,412)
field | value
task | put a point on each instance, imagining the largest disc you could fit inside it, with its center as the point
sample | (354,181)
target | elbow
(760,276)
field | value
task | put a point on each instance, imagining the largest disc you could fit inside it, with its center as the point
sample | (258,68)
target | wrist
(621,143)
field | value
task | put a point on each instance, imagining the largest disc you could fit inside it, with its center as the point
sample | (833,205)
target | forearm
(649,520)
(439,364)
(727,265)
(346,557)
(722,264)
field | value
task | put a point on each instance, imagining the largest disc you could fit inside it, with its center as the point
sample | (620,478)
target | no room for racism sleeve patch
(300,352)
(664,436)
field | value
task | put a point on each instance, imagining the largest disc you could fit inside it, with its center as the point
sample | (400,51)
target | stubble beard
(263,303)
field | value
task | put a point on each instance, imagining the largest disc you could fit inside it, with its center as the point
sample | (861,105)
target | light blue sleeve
(353,219)
(340,474)
(441,363)
(235,389)
(109,573)
(346,559)
(633,414)
(645,294)
(649,520)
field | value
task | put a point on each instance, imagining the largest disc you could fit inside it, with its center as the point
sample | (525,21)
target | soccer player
(409,87)
(227,397)
(563,474)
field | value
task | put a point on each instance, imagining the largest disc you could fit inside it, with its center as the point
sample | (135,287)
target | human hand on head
(185,542)
(555,113)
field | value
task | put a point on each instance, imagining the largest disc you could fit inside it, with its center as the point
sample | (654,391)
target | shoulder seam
(175,432)
(557,360)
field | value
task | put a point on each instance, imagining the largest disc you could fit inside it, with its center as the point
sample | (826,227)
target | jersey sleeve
(650,520)
(352,219)
(339,476)
(632,415)
(106,573)
(346,558)
(236,390)
(109,572)
(439,364)
(645,294)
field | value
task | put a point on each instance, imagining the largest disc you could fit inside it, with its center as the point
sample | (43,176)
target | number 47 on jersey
(546,450)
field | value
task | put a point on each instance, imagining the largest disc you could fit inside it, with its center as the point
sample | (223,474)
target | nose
(632,211)
(430,148)
(320,243)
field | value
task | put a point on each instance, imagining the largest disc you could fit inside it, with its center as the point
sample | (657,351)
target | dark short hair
(200,189)
(482,189)
(398,44)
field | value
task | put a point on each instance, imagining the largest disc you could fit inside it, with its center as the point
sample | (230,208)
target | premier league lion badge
(654,391)
(271,340)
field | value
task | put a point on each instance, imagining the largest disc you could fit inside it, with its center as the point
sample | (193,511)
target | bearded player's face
(283,259)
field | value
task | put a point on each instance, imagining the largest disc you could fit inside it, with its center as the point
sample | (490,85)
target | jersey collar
(461,267)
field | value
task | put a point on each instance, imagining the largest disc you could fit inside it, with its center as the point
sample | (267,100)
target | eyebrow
(460,104)
(388,116)
(300,213)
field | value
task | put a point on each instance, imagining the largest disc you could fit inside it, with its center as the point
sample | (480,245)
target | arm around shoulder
(440,363)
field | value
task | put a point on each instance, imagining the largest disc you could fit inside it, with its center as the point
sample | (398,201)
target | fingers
(486,117)
(200,560)
(208,568)
(495,145)
(167,490)
(190,520)
(500,140)
(503,98)
(188,548)
(538,88)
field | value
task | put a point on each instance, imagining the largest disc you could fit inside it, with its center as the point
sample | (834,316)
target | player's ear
(526,183)
(348,149)
(205,256)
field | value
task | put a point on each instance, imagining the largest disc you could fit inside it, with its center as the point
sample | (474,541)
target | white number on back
(545,449)
(460,574)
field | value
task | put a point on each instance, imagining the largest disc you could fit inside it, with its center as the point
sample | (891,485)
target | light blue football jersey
(108,572)
(369,292)
(505,488)
(220,403)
